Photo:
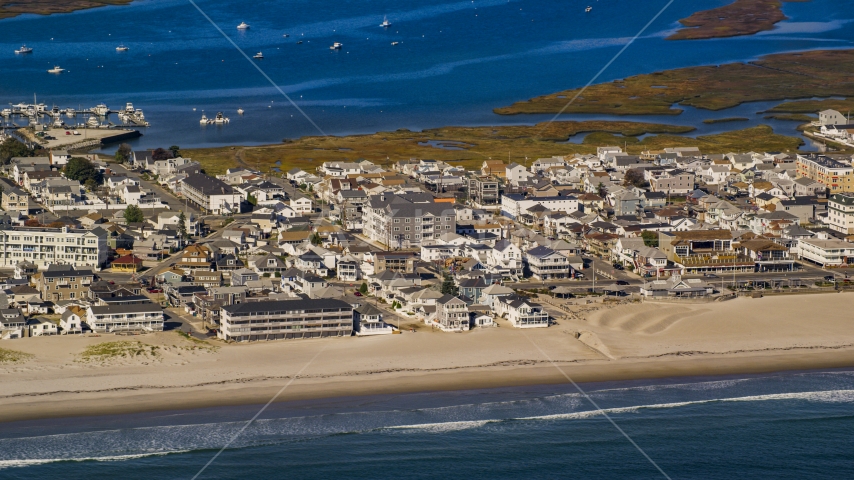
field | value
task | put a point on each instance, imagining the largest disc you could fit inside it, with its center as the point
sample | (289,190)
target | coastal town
(145,241)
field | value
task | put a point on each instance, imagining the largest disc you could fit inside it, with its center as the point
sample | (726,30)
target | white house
(827,253)
(301,204)
(521,312)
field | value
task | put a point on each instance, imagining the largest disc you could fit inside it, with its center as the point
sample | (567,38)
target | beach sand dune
(648,340)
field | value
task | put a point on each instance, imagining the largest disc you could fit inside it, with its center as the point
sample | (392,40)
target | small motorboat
(336,46)
(258,56)
(286,35)
(23,50)
(243,26)
(56,69)
(122,48)
(588,9)
(395,43)
(385,23)
(204,120)
(220,119)
(299,42)
(240,111)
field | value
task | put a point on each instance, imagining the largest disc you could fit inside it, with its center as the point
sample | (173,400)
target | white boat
(336,46)
(57,122)
(24,49)
(129,109)
(138,115)
(204,120)
(220,119)
(70,112)
(56,69)
(6,112)
(395,43)
(258,56)
(101,110)
(588,9)
(93,121)
(243,26)
(385,23)
(286,35)
(240,111)
(122,48)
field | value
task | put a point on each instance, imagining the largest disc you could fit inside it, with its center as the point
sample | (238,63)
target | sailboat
(385,23)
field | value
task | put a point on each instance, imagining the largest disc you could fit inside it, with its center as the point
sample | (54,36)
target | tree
(80,169)
(251,199)
(650,238)
(91,184)
(161,154)
(123,153)
(634,178)
(363,289)
(601,190)
(182,225)
(32,223)
(315,239)
(13,148)
(176,151)
(448,286)
(133,214)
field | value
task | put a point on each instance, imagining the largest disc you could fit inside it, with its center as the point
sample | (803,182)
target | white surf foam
(111,458)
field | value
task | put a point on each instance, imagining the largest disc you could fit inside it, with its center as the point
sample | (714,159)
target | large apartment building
(213,195)
(404,221)
(45,246)
(835,175)
(278,319)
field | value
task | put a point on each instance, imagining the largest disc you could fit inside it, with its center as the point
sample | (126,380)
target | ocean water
(782,426)
(456,61)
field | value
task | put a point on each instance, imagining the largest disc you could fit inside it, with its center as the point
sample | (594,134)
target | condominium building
(45,246)
(484,190)
(840,213)
(827,253)
(133,317)
(834,175)
(404,221)
(546,263)
(215,196)
(63,282)
(278,319)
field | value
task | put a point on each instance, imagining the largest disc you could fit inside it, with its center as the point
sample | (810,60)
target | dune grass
(13,356)
(118,350)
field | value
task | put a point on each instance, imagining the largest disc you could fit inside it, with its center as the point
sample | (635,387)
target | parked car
(552,287)
(358,294)
(830,278)
(621,282)
(618,266)
(710,275)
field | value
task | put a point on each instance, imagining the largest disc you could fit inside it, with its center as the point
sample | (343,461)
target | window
(396,220)
(447,219)
(408,220)
(396,229)
(407,229)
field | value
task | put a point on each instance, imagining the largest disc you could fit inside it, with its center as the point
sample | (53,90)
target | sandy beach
(596,343)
